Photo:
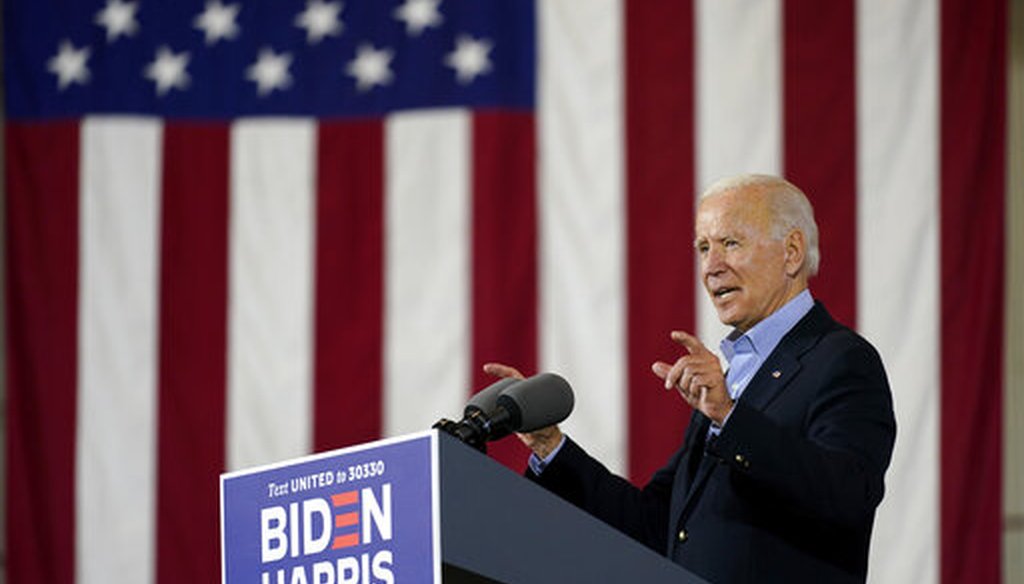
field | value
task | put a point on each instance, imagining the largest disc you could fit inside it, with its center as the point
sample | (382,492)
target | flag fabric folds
(239,232)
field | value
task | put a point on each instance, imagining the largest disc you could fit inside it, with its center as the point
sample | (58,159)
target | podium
(418,508)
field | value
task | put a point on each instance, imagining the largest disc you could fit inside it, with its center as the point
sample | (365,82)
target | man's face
(742,267)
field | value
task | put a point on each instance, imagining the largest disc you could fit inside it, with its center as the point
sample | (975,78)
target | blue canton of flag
(217,59)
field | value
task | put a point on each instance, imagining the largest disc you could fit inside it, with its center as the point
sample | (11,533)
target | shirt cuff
(538,464)
(715,429)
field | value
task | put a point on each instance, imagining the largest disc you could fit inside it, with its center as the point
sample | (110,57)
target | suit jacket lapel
(771,379)
(784,362)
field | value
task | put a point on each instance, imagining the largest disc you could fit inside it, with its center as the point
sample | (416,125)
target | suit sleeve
(583,481)
(830,465)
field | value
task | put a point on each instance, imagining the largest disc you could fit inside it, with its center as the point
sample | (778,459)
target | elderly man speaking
(782,464)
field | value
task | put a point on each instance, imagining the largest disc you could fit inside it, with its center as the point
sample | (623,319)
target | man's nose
(713,261)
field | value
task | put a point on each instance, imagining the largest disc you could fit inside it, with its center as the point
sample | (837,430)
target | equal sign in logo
(347,519)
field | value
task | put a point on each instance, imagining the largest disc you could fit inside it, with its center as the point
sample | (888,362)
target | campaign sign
(362,515)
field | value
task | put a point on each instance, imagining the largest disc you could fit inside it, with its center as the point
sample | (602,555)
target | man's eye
(731,243)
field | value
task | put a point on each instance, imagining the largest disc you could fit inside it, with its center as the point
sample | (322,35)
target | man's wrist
(721,419)
(546,445)
(538,463)
(544,441)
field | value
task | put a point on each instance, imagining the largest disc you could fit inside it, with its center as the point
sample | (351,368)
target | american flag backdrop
(240,231)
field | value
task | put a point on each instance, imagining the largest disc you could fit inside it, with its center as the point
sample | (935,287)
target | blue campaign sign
(363,515)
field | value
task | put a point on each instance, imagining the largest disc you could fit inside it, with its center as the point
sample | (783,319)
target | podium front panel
(360,515)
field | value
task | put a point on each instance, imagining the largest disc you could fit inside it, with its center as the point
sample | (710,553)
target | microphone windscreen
(486,399)
(541,401)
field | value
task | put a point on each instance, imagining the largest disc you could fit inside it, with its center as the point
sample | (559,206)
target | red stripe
(193,345)
(344,499)
(820,129)
(660,184)
(504,252)
(346,519)
(973,117)
(344,541)
(41,163)
(349,284)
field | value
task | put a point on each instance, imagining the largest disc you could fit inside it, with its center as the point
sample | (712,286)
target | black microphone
(476,414)
(538,402)
(487,398)
(521,406)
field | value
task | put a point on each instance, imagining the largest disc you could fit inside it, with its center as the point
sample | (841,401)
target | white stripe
(739,96)
(269,320)
(898,266)
(116,445)
(582,274)
(427,344)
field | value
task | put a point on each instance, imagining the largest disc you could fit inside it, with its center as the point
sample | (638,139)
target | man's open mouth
(724,291)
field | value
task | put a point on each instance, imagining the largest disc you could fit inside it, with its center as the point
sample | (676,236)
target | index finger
(692,343)
(502,370)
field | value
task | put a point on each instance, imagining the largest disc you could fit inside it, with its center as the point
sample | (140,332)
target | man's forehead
(736,209)
(746,195)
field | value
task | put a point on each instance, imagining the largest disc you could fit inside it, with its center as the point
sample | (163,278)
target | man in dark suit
(782,464)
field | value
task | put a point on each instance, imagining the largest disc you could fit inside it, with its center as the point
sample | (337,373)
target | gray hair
(789,205)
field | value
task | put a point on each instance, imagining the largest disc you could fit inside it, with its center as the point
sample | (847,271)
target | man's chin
(727,315)
(727,318)
(724,308)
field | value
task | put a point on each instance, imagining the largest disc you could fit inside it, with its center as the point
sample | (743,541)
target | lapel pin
(776,374)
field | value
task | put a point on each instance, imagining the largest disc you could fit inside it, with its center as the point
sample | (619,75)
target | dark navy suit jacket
(788,490)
